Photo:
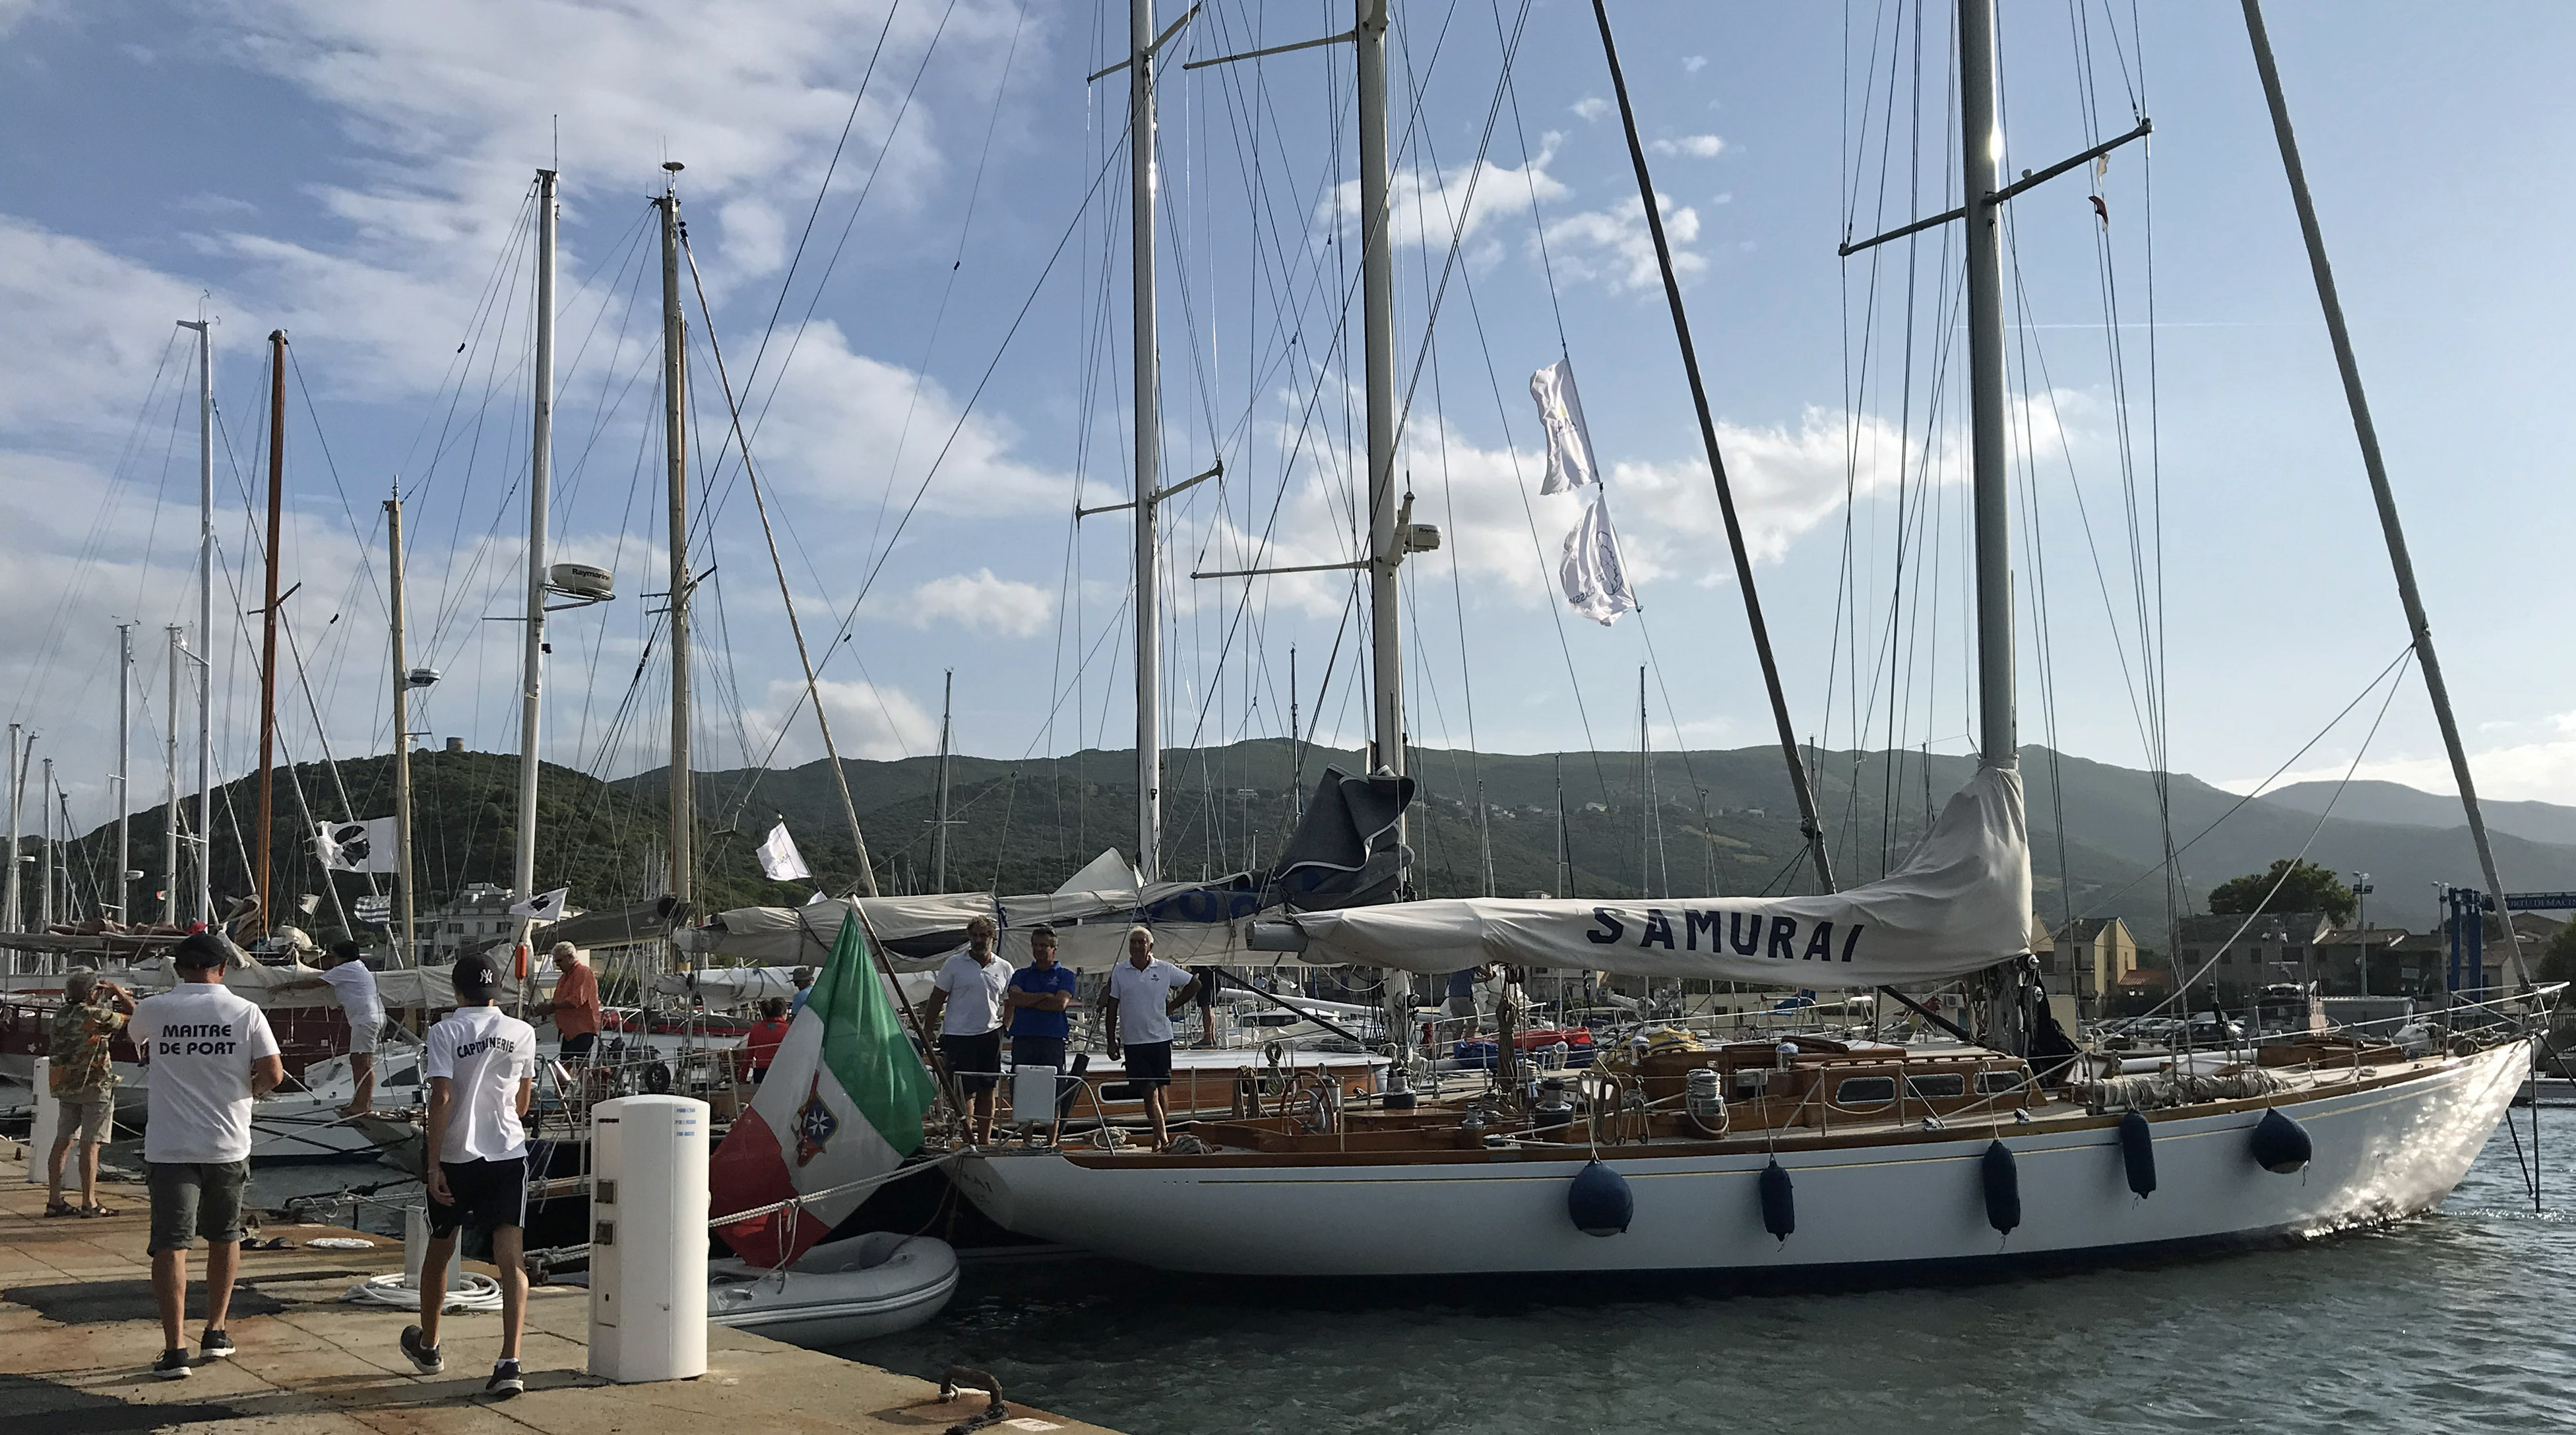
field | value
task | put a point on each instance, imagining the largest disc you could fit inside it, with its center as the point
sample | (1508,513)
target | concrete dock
(78,1334)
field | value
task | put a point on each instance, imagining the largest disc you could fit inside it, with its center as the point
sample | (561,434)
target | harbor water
(2453,1322)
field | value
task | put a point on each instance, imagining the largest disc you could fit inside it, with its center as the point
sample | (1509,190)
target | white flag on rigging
(779,857)
(355,846)
(1569,445)
(1596,582)
(545,906)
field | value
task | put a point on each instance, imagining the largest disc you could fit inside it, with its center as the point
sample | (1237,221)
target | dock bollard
(49,1121)
(648,1238)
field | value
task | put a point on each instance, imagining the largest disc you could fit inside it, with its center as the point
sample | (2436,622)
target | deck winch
(2002,1177)
(2281,1145)
(2138,1153)
(1598,1202)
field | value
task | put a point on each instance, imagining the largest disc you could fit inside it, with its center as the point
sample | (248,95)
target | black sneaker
(505,1381)
(173,1364)
(215,1346)
(424,1358)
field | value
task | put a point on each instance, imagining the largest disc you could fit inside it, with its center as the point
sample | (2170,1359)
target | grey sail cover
(1960,903)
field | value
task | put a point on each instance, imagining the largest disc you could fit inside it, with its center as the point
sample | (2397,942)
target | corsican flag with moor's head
(843,1102)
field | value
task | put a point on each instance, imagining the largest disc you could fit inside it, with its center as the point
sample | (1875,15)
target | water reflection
(2447,1323)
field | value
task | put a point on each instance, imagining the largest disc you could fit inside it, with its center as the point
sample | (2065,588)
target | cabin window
(1997,1083)
(1865,1091)
(1945,1084)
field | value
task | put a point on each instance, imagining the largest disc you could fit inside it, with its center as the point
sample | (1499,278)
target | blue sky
(358,175)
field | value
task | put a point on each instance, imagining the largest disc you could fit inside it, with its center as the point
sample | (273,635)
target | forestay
(1959,904)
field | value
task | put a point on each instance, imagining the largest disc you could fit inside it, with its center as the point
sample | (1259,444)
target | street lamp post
(2361,892)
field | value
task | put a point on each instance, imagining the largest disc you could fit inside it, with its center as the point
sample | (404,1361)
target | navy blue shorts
(1149,1063)
(489,1194)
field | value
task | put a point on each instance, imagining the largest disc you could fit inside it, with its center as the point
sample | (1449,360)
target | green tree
(2558,959)
(2302,887)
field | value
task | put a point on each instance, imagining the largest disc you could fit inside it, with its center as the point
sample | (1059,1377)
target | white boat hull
(843,1291)
(1862,1211)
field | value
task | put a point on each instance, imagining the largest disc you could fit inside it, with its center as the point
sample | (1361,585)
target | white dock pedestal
(648,1232)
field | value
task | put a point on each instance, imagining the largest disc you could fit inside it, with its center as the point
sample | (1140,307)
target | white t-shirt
(1142,998)
(200,1041)
(974,994)
(484,1055)
(355,986)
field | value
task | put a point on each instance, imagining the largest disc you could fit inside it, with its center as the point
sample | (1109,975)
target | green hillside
(1718,821)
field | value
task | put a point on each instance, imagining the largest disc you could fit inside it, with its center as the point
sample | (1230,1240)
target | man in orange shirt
(576,1004)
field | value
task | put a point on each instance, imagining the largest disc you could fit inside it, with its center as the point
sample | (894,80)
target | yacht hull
(1914,1205)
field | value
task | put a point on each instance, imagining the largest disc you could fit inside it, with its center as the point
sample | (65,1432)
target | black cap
(198,951)
(347,951)
(474,976)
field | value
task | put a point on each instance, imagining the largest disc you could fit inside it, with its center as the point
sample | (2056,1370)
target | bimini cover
(1959,904)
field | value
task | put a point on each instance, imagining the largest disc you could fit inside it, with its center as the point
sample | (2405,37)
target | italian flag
(842,1102)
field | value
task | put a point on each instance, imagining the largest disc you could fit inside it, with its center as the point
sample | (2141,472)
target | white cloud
(982,603)
(846,428)
(1611,246)
(1693,64)
(1691,146)
(1590,109)
(1423,209)
(869,720)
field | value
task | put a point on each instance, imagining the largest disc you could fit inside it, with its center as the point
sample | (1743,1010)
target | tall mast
(1296,749)
(17,781)
(124,764)
(263,835)
(170,785)
(1149,440)
(2419,628)
(939,823)
(45,852)
(541,459)
(1564,870)
(675,452)
(402,734)
(1377,324)
(1998,732)
(205,833)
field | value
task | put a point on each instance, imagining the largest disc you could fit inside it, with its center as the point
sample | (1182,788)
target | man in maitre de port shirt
(208,1054)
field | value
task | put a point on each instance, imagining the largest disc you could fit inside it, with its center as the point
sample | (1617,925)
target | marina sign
(2539,901)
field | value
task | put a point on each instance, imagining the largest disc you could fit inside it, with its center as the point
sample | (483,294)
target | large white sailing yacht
(1806,1159)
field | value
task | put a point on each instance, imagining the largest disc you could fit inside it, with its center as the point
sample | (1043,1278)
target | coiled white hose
(471,1293)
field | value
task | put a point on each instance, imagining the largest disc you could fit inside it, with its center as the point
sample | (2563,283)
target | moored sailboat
(1809,1159)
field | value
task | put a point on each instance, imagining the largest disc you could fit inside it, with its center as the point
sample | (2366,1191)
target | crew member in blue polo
(1039,995)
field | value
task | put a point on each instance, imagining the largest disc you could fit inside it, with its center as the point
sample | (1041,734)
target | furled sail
(1960,903)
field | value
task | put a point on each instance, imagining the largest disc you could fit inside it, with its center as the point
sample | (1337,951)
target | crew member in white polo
(1144,991)
(209,1054)
(345,968)
(482,1070)
(967,1005)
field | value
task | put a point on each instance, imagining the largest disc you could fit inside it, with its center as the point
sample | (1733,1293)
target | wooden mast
(268,627)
